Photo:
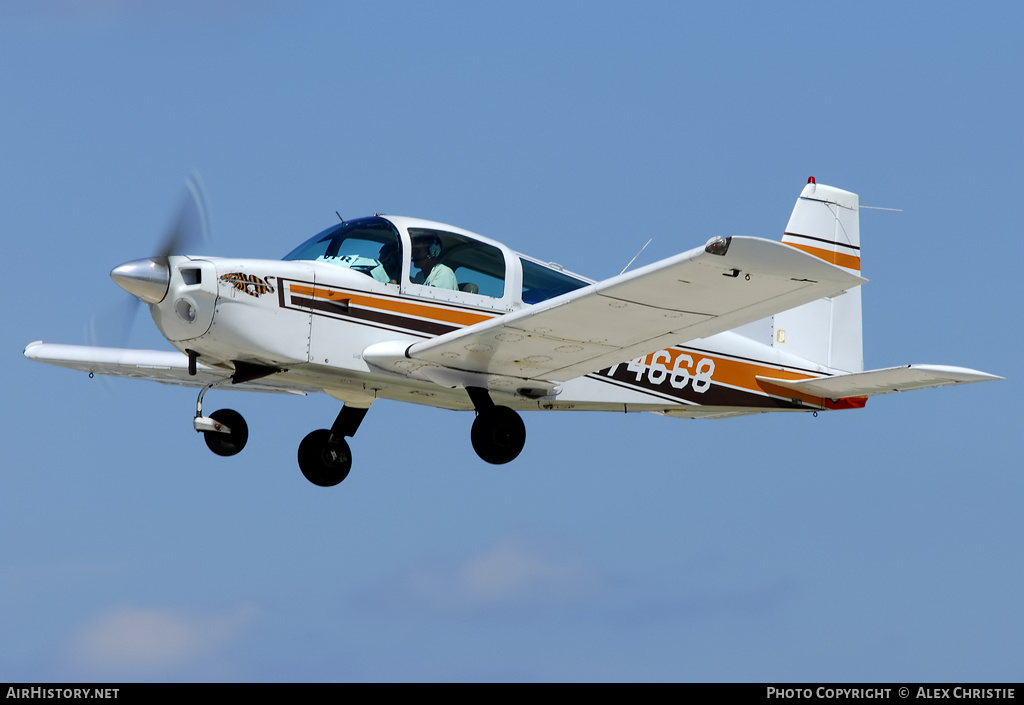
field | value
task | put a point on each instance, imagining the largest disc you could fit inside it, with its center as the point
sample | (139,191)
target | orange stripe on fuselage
(735,373)
(433,313)
(741,374)
(838,258)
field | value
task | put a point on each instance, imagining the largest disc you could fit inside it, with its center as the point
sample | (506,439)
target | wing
(887,381)
(695,294)
(153,365)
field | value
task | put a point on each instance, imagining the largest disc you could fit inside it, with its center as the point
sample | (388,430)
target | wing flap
(885,381)
(692,295)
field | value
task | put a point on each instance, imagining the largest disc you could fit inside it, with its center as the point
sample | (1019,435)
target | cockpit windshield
(370,246)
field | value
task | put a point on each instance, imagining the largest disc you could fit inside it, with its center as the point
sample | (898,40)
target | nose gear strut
(225,431)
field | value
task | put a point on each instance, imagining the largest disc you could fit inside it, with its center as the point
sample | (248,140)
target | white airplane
(390,307)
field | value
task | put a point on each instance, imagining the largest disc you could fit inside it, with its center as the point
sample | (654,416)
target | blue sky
(877,545)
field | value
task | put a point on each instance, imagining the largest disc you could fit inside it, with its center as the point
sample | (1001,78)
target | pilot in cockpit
(426,256)
(390,259)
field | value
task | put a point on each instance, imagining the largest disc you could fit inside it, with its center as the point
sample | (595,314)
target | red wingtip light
(810,180)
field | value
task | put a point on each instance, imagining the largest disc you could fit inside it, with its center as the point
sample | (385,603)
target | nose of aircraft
(146,278)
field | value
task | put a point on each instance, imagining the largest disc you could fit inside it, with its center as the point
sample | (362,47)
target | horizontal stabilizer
(875,382)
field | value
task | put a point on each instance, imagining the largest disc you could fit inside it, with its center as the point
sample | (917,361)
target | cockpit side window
(370,246)
(452,261)
(541,283)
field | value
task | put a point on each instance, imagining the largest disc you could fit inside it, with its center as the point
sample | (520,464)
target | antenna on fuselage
(339,217)
(635,256)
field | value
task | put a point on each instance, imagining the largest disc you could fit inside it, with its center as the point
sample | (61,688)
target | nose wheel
(227,433)
(224,431)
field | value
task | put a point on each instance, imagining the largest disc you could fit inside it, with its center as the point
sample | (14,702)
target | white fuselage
(312,321)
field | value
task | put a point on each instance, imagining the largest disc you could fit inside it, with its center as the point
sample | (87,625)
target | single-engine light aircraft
(389,307)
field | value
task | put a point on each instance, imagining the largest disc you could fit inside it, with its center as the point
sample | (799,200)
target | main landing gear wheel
(324,462)
(227,444)
(498,435)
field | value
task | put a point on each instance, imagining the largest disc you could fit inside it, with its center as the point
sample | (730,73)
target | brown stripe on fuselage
(359,314)
(385,311)
(444,314)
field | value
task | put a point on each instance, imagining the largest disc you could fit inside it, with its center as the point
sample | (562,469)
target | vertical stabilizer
(825,223)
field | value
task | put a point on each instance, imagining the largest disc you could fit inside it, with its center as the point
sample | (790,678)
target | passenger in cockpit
(426,256)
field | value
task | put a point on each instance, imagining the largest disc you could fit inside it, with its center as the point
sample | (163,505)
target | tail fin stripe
(821,239)
(837,258)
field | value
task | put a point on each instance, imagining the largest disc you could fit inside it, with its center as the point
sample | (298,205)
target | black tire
(227,444)
(322,465)
(498,435)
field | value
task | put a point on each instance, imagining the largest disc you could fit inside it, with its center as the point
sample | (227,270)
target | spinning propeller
(147,279)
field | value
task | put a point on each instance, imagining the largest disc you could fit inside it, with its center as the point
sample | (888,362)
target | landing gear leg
(498,434)
(224,431)
(324,456)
